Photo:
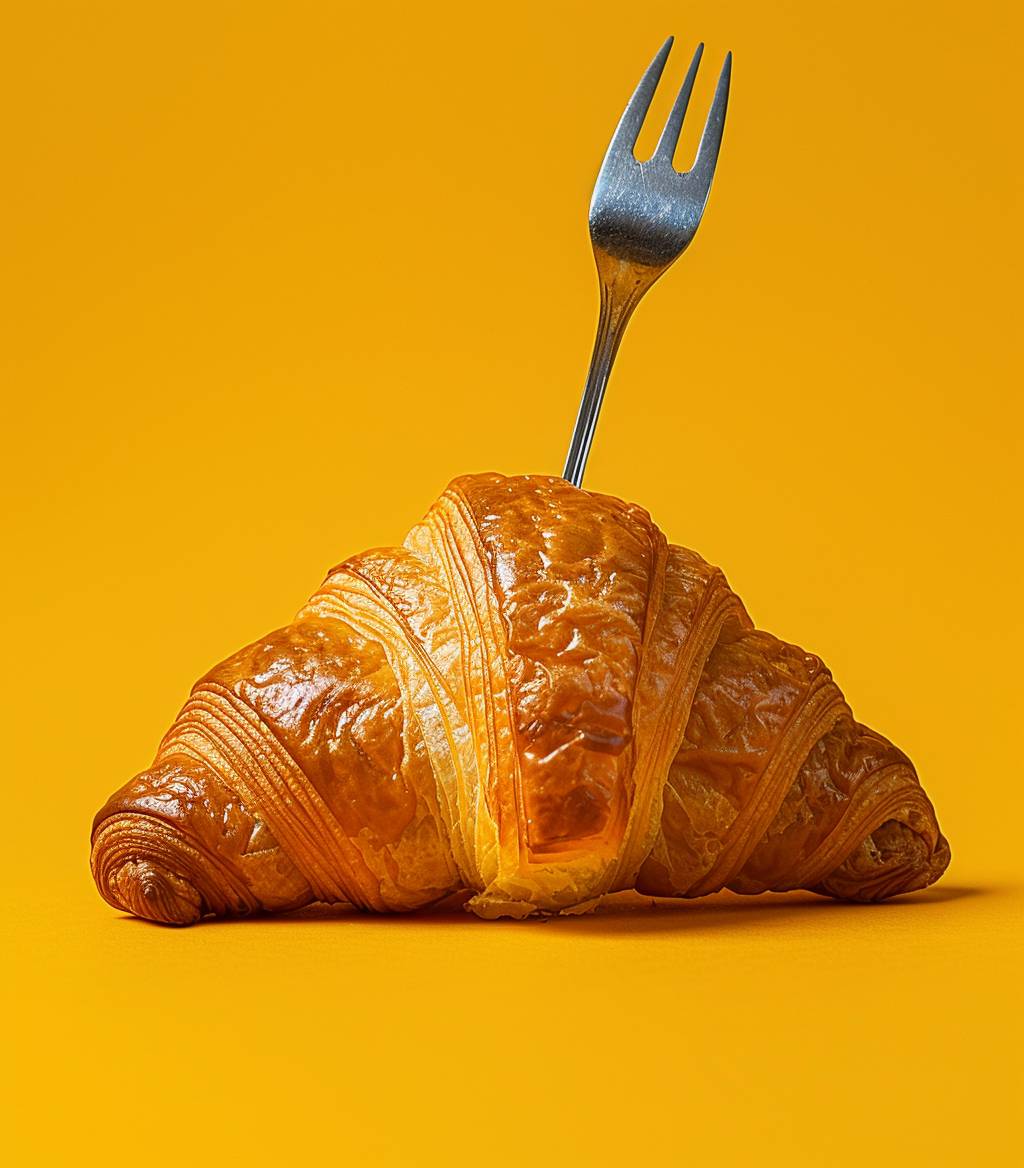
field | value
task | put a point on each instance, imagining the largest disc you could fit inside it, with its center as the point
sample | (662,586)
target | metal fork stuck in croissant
(642,217)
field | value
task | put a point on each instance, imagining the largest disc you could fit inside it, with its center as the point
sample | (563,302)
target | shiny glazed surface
(536,701)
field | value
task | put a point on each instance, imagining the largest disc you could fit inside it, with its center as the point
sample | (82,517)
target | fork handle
(622,285)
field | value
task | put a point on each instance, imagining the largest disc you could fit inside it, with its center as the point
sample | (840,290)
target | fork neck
(623,284)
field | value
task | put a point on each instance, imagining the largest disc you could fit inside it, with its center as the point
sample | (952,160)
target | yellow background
(272,273)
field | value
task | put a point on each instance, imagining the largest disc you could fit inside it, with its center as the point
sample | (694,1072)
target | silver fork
(642,217)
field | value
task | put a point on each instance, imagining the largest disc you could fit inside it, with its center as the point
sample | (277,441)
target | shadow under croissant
(626,912)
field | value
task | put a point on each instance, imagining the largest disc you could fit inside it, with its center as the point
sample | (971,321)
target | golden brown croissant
(536,700)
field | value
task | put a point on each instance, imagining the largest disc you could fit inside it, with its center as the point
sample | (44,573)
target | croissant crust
(535,701)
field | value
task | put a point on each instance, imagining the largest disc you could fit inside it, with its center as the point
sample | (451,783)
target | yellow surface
(272,275)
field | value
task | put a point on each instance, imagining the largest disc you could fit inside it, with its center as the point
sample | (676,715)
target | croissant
(537,701)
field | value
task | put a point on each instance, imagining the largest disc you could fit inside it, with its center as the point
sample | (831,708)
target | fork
(643,215)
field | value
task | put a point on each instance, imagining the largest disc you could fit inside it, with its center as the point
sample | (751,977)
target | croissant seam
(453,560)
(436,684)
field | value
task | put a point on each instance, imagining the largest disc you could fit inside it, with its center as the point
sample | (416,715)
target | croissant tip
(130,865)
(150,892)
(155,894)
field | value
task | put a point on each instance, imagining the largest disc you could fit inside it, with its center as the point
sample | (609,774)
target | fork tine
(703,169)
(628,129)
(666,147)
